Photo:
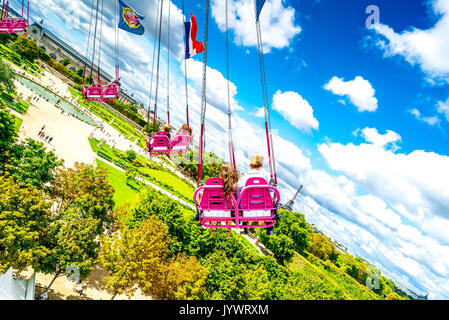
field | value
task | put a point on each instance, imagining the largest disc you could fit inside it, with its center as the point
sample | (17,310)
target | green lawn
(124,193)
(172,181)
(17,123)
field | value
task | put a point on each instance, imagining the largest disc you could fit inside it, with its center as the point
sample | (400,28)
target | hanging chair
(13,25)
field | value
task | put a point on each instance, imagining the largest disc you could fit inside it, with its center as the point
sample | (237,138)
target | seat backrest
(181,139)
(255,196)
(213,197)
(160,139)
(111,90)
(94,90)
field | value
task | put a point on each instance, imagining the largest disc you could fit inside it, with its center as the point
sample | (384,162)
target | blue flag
(130,20)
(259,6)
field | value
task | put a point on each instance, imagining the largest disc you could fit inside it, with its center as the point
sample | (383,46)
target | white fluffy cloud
(277,22)
(380,140)
(359,91)
(295,109)
(427,48)
(432,121)
(414,184)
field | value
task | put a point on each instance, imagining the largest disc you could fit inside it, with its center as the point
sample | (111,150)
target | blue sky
(362,115)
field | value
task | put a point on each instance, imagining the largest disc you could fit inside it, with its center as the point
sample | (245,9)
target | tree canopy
(7,76)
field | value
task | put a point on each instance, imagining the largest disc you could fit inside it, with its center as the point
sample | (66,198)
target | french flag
(193,47)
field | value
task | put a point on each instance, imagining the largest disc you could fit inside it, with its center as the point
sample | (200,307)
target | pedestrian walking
(83,288)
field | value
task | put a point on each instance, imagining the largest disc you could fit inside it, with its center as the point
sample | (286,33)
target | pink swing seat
(180,143)
(97,92)
(256,204)
(13,25)
(213,206)
(160,144)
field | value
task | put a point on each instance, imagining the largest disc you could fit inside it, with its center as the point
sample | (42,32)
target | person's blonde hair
(256,162)
(228,175)
(167,128)
(187,129)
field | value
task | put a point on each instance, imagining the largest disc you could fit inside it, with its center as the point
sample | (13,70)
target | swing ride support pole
(28,11)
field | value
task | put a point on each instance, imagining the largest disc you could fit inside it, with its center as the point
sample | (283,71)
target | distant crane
(289,205)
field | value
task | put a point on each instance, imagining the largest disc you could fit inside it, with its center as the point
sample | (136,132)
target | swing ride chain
(273,180)
(185,62)
(99,43)
(88,38)
(95,39)
(152,66)
(227,71)
(168,66)
(231,142)
(203,93)
(158,59)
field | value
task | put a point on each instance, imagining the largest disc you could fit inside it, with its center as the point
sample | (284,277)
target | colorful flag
(259,6)
(193,47)
(130,20)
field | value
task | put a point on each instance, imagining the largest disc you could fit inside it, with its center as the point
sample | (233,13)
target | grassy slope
(123,192)
(162,177)
(17,123)
(314,281)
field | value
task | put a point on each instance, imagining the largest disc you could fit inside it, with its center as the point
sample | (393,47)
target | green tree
(322,248)
(7,135)
(135,256)
(65,62)
(130,155)
(5,38)
(7,76)
(27,49)
(80,72)
(31,163)
(74,245)
(24,226)
(86,188)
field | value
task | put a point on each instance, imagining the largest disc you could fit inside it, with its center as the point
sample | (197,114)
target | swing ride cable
(3,10)
(231,142)
(273,178)
(259,30)
(117,58)
(203,95)
(95,39)
(168,66)
(88,38)
(152,67)
(99,43)
(158,60)
(185,65)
